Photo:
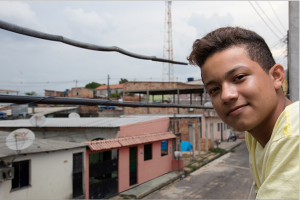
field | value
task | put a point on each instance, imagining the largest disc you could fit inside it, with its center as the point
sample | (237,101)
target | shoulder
(287,124)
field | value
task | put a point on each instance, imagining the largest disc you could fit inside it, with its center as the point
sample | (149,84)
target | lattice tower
(168,70)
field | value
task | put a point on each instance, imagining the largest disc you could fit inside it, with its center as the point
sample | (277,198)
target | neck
(263,132)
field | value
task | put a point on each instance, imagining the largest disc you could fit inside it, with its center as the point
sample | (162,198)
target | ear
(278,75)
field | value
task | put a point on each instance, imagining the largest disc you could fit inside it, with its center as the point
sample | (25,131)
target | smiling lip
(236,110)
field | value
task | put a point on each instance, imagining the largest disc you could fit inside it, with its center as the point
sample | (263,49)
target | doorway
(132,166)
(103,174)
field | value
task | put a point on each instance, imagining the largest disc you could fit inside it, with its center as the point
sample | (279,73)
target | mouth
(236,110)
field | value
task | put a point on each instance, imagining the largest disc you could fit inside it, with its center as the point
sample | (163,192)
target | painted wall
(146,170)
(79,134)
(50,176)
(152,126)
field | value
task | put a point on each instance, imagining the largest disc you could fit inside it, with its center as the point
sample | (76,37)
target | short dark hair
(223,38)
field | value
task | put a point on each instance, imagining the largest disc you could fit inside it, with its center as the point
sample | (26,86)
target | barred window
(21,175)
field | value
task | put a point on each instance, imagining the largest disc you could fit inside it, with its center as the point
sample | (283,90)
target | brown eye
(213,90)
(239,77)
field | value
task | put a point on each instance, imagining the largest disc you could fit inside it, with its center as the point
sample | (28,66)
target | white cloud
(20,13)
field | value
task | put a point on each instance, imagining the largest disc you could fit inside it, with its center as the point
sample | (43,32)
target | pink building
(143,151)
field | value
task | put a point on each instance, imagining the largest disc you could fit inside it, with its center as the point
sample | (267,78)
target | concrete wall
(293,51)
(111,113)
(153,126)
(50,176)
(70,134)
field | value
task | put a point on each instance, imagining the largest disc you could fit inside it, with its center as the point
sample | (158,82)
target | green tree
(93,85)
(123,81)
(31,93)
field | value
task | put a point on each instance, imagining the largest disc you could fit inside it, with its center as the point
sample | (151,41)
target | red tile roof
(128,141)
(104,87)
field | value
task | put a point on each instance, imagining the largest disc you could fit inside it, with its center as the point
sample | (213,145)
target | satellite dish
(74,115)
(37,119)
(20,139)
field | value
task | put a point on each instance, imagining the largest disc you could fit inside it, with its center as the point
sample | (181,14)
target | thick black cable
(88,102)
(29,32)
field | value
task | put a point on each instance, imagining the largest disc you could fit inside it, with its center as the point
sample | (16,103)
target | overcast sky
(31,64)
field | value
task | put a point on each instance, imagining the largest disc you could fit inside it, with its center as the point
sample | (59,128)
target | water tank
(190,79)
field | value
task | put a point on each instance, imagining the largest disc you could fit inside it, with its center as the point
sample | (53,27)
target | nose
(229,92)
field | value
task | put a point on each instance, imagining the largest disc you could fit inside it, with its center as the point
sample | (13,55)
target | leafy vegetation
(31,93)
(218,150)
(93,85)
(123,81)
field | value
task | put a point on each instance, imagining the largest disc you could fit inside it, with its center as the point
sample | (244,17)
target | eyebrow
(226,75)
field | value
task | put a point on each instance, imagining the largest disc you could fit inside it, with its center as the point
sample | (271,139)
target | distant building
(10,92)
(101,91)
(53,93)
(82,92)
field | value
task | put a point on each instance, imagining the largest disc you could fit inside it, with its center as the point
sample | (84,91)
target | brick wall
(82,93)
(140,111)
(155,85)
(54,93)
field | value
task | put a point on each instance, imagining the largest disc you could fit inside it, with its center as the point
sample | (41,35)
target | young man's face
(242,93)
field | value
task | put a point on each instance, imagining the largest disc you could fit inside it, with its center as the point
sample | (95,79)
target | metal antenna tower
(168,70)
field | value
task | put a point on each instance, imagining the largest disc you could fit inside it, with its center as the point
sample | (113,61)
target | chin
(240,127)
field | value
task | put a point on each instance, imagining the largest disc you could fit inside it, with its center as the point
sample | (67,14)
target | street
(227,177)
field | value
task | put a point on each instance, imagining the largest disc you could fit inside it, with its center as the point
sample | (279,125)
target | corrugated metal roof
(38,146)
(128,141)
(163,115)
(44,110)
(109,122)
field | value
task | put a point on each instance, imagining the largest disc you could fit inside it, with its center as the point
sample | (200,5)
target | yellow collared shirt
(275,168)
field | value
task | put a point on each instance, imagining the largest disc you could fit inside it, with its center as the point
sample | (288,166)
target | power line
(277,16)
(263,20)
(268,18)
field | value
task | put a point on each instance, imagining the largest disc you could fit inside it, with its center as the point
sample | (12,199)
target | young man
(244,84)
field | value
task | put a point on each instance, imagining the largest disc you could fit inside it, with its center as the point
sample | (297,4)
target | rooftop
(104,87)
(164,115)
(87,122)
(38,146)
(44,110)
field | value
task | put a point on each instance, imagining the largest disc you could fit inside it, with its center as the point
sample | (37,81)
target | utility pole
(76,87)
(108,92)
(293,51)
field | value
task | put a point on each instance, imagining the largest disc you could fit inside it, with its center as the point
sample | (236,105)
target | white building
(47,169)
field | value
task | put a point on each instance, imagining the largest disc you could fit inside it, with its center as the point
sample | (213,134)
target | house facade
(101,91)
(81,92)
(46,170)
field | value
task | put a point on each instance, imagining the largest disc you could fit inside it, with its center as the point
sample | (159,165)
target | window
(164,147)
(21,177)
(148,152)
(218,126)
